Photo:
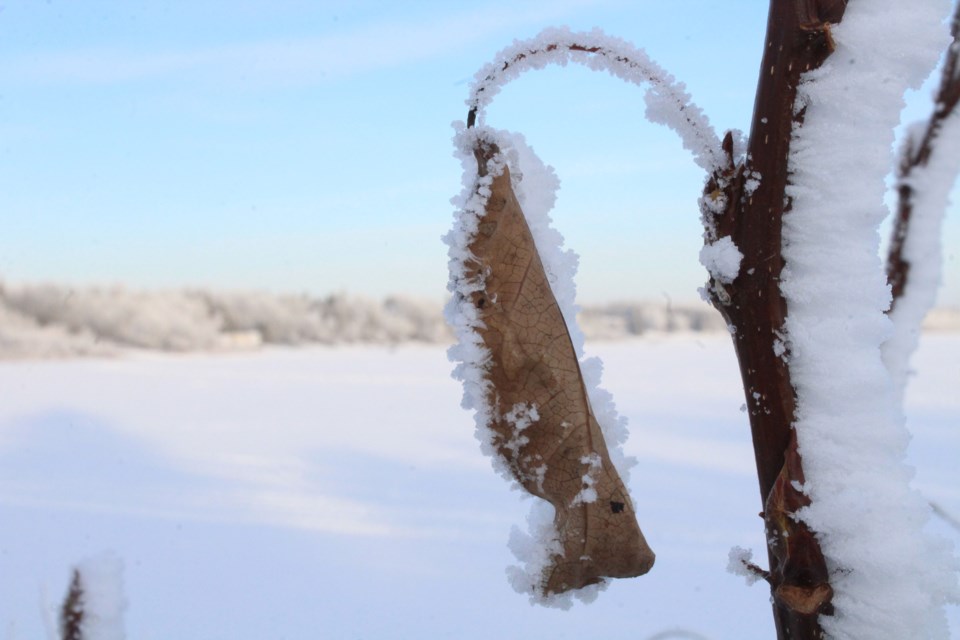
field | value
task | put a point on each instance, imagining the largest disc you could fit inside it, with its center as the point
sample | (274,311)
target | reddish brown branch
(915,154)
(798,39)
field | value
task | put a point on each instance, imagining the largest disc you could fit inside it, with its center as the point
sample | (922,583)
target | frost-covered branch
(668,103)
(806,307)
(889,577)
(927,169)
(740,563)
(743,210)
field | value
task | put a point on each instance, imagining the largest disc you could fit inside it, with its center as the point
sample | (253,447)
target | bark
(798,39)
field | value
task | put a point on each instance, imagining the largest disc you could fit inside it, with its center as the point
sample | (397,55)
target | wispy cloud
(283,61)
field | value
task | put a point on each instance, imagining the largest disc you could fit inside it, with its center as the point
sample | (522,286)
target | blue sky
(305,146)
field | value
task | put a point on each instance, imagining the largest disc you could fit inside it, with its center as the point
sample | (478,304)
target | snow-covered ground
(339,492)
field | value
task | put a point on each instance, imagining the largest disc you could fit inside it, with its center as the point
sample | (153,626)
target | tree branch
(667,101)
(746,202)
(915,154)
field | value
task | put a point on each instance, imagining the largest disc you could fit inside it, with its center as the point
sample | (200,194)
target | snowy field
(339,493)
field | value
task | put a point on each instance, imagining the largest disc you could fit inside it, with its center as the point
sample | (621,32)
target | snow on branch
(889,577)
(740,563)
(668,103)
(928,165)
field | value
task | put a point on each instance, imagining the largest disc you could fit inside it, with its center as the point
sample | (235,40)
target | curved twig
(667,101)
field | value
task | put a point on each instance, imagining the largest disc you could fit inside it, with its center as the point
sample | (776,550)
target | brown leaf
(543,424)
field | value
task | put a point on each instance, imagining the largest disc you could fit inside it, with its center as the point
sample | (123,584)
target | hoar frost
(535,548)
(890,578)
(751,183)
(740,563)
(668,102)
(931,184)
(588,493)
(520,417)
(722,259)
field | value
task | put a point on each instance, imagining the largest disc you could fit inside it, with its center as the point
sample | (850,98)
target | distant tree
(790,215)
(72,611)
(94,605)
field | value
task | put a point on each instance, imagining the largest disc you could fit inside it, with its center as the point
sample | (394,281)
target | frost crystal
(520,417)
(588,493)
(779,348)
(714,202)
(668,103)
(722,259)
(535,550)
(740,564)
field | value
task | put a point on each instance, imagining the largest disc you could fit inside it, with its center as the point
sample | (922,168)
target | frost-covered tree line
(57,320)
(47,320)
(823,331)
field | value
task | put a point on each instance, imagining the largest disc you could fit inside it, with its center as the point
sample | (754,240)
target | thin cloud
(282,61)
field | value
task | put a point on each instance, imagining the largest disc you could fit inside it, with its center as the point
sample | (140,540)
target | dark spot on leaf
(496,203)
(480,303)
(487,228)
(616,507)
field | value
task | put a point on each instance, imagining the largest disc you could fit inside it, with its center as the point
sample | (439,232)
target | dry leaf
(543,423)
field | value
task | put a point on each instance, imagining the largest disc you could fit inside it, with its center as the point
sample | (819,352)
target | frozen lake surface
(340,493)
